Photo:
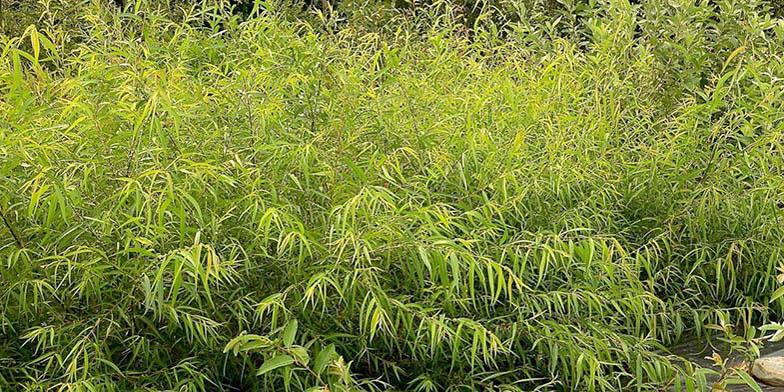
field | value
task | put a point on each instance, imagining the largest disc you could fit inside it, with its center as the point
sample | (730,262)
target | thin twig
(11,229)
(313,109)
(249,109)
(669,384)
(304,366)
(326,7)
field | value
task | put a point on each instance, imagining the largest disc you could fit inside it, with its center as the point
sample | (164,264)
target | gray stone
(769,370)
(696,351)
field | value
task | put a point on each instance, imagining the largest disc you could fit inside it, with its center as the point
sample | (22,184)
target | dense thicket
(386,199)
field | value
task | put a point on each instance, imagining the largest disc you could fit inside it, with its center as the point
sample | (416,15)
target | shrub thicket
(386,199)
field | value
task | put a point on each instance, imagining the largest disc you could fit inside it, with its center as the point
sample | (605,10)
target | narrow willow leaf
(275,363)
(777,294)
(289,333)
(749,381)
(323,357)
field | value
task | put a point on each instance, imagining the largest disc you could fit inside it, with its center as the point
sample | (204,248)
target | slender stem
(669,384)
(313,109)
(305,366)
(11,229)
(249,108)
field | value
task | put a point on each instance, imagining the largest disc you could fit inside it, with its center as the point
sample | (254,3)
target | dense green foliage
(386,199)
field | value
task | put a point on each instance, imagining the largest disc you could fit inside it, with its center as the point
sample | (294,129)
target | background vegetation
(374,196)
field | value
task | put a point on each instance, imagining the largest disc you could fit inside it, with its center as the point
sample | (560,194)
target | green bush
(382,199)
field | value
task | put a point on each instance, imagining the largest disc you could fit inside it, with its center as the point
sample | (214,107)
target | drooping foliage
(196,199)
